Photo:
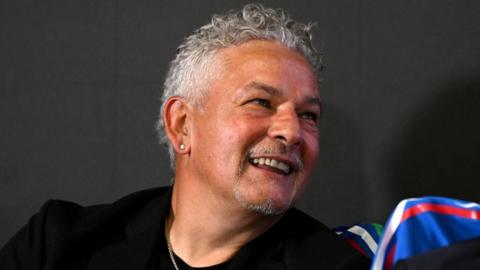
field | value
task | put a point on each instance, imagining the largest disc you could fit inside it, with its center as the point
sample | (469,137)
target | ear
(175,119)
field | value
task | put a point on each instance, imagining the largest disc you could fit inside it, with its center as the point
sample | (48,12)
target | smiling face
(255,141)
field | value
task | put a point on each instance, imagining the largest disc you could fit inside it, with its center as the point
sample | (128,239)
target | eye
(309,116)
(262,102)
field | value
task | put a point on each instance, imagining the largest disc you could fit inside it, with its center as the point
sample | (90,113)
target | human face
(256,140)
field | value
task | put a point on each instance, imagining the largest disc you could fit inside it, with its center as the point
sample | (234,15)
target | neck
(205,230)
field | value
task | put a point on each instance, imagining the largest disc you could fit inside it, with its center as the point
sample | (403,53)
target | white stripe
(365,235)
(469,205)
(388,233)
(391,228)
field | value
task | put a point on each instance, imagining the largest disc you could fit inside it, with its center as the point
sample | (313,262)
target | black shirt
(164,262)
(127,234)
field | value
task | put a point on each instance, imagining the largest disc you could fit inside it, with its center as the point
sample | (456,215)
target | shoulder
(70,213)
(59,213)
(60,226)
(63,217)
(302,228)
(308,242)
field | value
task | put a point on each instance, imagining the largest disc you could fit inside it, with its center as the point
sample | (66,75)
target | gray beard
(266,208)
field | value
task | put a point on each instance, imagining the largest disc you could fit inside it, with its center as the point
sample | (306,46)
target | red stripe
(356,246)
(389,260)
(440,209)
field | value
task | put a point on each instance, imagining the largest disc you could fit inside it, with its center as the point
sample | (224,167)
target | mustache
(277,149)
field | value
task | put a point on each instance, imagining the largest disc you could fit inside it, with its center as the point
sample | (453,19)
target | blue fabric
(422,224)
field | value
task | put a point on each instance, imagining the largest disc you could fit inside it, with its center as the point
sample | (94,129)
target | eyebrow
(277,93)
(264,87)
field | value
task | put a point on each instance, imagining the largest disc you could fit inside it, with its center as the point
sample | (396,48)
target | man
(240,115)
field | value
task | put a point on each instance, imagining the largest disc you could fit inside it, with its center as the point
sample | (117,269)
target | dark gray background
(80,81)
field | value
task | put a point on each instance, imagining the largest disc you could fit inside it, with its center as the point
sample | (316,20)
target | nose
(285,126)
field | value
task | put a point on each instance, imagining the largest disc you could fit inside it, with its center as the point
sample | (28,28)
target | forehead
(270,63)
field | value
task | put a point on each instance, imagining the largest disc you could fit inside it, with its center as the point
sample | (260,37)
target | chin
(267,206)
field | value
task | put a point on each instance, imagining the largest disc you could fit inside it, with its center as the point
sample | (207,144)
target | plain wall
(80,83)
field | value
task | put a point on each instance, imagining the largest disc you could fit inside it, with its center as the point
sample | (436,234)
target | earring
(182,146)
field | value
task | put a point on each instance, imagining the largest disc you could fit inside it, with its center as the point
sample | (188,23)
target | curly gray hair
(191,71)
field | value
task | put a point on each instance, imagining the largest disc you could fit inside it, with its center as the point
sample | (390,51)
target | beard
(266,206)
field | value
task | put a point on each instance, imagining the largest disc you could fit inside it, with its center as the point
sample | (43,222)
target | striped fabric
(422,224)
(363,237)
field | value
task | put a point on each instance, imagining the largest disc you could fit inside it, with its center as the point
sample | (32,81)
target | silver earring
(182,146)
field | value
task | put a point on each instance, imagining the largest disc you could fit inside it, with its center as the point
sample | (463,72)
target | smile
(278,165)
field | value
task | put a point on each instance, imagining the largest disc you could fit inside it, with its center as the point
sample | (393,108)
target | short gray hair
(190,72)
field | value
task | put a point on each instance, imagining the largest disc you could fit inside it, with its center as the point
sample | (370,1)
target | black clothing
(164,262)
(463,255)
(126,234)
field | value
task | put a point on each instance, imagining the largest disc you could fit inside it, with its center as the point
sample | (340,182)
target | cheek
(248,128)
(231,135)
(312,149)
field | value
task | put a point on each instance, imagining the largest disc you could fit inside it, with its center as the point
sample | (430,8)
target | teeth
(272,163)
(284,167)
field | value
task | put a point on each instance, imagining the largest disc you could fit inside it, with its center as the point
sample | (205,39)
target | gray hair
(190,72)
